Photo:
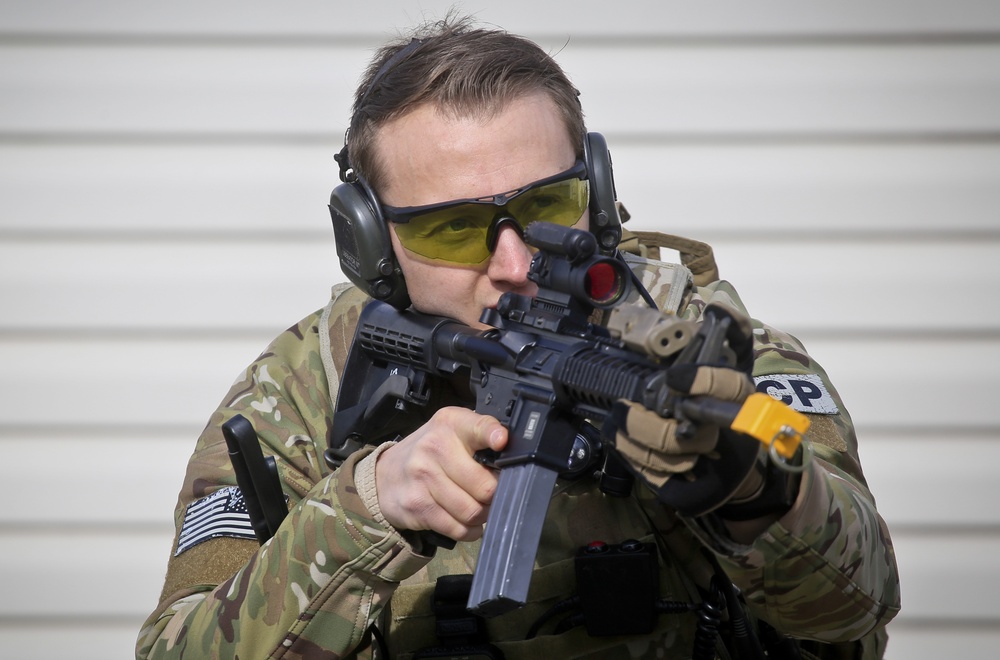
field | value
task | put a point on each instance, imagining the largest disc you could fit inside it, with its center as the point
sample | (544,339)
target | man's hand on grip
(430,480)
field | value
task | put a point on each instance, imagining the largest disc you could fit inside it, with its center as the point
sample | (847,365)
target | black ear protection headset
(362,232)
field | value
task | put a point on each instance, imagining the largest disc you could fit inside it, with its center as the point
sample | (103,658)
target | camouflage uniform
(824,572)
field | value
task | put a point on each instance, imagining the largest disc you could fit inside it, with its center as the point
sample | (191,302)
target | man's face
(431,157)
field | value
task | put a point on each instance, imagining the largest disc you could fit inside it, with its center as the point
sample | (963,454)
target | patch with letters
(805,393)
(223,513)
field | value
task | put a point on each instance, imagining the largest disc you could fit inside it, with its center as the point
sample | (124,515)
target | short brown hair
(456,66)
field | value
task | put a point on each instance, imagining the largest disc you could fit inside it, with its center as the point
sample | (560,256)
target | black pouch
(462,634)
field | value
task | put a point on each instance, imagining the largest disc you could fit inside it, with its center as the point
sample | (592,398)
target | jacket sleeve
(313,588)
(826,570)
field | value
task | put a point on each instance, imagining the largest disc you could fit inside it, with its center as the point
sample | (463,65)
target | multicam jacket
(824,573)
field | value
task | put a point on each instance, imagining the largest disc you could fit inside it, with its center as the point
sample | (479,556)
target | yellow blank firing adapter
(774,424)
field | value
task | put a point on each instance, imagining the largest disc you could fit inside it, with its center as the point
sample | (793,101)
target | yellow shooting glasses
(465,231)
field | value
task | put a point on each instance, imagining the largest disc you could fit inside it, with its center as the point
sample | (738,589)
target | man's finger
(716,382)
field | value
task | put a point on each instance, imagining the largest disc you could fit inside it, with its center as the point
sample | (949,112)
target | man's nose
(511,257)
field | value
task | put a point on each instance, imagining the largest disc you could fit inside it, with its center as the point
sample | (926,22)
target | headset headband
(343,157)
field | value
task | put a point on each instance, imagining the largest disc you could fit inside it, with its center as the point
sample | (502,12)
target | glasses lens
(562,203)
(455,234)
(458,234)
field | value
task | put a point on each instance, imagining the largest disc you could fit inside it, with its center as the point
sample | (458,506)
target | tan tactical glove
(655,447)
(694,468)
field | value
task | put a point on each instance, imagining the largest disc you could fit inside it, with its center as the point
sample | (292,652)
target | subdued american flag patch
(223,513)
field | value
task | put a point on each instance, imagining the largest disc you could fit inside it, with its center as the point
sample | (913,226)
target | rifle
(544,371)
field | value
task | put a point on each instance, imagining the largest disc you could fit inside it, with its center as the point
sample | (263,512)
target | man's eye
(455,224)
(544,201)
(450,229)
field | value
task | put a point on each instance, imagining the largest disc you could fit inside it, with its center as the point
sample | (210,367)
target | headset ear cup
(363,245)
(605,223)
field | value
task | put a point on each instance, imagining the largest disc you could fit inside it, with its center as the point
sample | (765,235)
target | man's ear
(363,243)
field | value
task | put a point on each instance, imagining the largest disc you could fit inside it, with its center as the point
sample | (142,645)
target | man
(446,124)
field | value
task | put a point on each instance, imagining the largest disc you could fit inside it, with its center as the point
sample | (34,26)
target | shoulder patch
(223,513)
(805,393)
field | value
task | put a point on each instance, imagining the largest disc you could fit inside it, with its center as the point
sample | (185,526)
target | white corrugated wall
(164,171)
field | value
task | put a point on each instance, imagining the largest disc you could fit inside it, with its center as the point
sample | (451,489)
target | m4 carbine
(543,370)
